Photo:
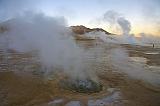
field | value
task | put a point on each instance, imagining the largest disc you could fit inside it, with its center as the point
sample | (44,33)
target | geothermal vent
(82,86)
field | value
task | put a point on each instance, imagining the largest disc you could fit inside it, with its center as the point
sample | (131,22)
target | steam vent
(82,86)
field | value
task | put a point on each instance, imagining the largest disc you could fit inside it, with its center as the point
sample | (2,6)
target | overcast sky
(144,15)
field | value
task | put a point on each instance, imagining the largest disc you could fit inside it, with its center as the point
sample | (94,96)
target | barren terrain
(23,83)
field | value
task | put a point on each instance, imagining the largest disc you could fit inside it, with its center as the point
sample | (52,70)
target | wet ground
(130,76)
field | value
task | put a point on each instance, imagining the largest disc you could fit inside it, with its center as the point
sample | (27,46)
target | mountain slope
(80,29)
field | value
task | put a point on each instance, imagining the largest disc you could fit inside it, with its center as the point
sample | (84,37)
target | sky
(144,15)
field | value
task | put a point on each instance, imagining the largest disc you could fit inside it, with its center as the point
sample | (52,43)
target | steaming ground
(130,77)
(38,53)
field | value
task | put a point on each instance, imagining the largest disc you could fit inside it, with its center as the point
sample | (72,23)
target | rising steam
(114,18)
(117,20)
(50,38)
(118,23)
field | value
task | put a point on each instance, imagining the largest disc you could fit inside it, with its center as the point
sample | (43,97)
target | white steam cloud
(114,18)
(117,20)
(125,25)
(118,23)
(50,38)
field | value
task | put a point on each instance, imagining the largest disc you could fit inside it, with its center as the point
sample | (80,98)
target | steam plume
(50,38)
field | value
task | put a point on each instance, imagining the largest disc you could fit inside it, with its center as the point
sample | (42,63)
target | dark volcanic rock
(82,86)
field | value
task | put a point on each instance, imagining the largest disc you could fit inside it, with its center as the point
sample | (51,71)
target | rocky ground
(22,85)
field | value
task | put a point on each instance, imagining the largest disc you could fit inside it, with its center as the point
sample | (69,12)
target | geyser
(116,20)
(51,40)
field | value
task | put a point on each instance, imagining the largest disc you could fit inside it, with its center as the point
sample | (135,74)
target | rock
(112,100)
(74,103)
(55,102)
